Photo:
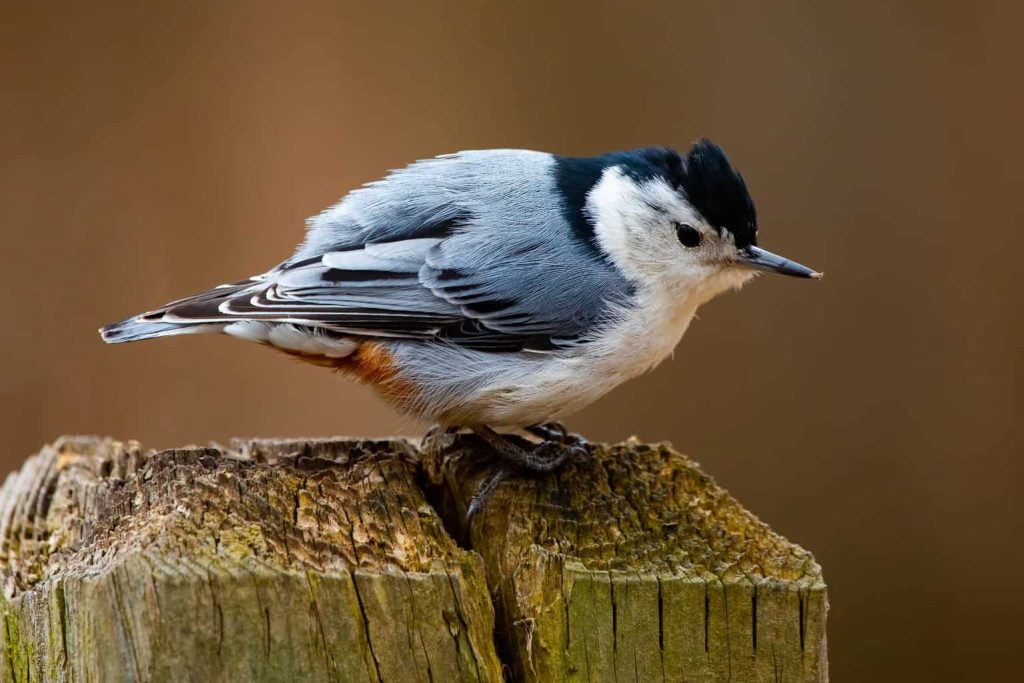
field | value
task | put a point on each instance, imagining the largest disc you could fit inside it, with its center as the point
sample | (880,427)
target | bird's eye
(688,235)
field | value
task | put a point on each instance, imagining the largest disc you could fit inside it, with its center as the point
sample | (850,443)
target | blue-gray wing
(477,248)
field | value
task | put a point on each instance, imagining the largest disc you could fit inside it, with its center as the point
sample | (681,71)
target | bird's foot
(542,458)
(556,431)
(559,447)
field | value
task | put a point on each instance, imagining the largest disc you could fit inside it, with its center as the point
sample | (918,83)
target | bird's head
(682,222)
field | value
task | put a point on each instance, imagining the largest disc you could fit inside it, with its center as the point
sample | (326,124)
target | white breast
(634,342)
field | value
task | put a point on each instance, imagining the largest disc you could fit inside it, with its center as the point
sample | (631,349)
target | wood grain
(339,561)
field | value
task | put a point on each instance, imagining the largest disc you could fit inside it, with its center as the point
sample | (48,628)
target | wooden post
(338,561)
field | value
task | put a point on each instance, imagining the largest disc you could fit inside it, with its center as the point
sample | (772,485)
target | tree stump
(341,561)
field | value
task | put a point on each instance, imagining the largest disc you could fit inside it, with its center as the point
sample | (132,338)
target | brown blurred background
(153,149)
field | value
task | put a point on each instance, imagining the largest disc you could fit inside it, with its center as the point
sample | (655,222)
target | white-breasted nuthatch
(502,287)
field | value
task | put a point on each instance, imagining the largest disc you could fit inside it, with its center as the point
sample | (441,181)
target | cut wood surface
(349,560)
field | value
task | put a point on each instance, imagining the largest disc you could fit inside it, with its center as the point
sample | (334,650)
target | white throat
(640,242)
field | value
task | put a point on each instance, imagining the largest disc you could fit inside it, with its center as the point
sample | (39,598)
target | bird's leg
(546,457)
(438,438)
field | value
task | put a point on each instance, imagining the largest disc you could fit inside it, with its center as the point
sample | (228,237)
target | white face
(638,226)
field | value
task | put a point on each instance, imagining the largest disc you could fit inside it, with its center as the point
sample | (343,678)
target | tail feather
(203,307)
(136,329)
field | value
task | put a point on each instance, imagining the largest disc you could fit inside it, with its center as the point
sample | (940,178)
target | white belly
(461,387)
(637,342)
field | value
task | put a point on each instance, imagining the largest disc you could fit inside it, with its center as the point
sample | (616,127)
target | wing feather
(472,248)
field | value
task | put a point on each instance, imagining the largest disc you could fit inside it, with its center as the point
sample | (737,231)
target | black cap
(717,191)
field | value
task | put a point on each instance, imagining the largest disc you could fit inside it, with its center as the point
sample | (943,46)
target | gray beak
(760,259)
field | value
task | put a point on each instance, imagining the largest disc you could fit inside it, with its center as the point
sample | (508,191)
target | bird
(501,289)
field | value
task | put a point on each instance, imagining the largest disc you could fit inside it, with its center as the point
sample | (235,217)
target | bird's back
(478,248)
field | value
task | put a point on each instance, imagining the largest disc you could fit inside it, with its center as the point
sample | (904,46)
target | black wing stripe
(336,275)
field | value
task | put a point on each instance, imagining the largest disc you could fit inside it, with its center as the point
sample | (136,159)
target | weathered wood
(636,566)
(274,563)
(331,560)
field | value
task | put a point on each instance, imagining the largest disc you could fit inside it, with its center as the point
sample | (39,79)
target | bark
(338,561)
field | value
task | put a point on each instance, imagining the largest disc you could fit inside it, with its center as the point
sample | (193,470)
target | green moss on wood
(17,652)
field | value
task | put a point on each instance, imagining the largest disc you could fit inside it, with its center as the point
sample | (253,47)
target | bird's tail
(138,328)
(196,314)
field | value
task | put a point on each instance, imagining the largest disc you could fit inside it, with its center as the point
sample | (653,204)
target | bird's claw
(545,457)
(549,431)
(559,447)
(556,432)
(476,503)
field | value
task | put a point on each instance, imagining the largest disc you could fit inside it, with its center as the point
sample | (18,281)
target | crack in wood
(598,572)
